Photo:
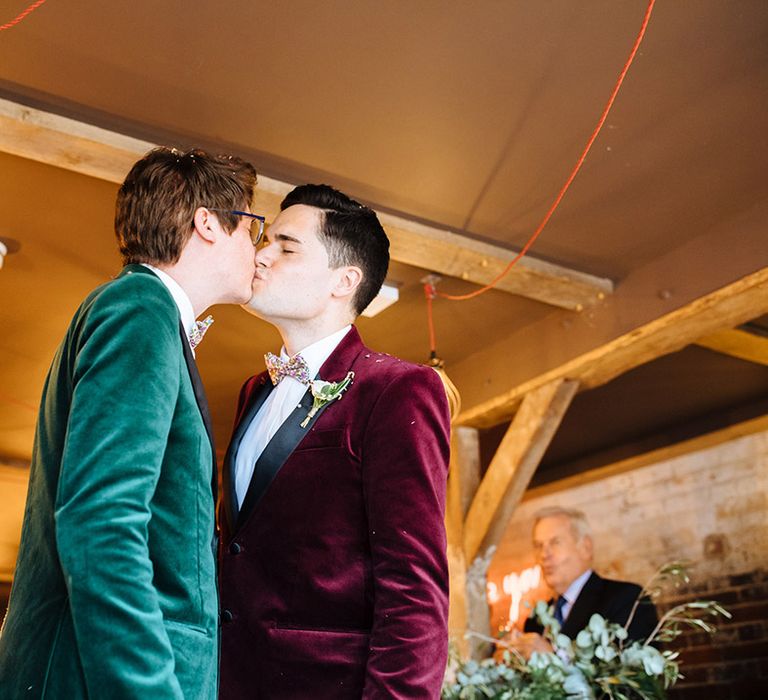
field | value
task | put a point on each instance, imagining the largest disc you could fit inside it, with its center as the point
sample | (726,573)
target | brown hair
(157,201)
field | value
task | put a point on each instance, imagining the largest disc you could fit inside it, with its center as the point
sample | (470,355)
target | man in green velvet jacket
(114,594)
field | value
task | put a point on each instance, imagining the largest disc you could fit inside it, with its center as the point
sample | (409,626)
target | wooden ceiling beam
(451,254)
(662,454)
(89,150)
(738,343)
(729,306)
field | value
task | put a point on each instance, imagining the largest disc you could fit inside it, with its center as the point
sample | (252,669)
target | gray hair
(579,522)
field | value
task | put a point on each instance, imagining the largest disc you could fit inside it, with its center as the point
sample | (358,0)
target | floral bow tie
(198,331)
(278,369)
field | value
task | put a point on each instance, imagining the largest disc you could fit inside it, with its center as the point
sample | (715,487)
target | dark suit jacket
(115,586)
(611,599)
(334,580)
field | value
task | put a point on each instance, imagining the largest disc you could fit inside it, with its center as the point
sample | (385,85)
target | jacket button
(227,616)
(235,548)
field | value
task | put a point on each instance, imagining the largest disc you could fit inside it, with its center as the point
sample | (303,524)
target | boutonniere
(324,392)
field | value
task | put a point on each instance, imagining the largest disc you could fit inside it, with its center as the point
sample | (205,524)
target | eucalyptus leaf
(597,664)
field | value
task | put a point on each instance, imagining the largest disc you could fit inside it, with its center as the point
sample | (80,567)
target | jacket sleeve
(125,384)
(644,619)
(405,468)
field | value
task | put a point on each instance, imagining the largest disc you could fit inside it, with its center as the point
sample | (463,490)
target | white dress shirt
(183,303)
(280,403)
(573,592)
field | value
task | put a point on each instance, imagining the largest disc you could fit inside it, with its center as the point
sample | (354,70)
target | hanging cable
(21,16)
(437,364)
(574,172)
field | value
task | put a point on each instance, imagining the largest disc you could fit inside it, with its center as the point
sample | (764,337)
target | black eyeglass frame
(261,219)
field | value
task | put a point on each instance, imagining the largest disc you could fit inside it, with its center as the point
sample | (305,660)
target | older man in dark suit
(564,550)
(333,574)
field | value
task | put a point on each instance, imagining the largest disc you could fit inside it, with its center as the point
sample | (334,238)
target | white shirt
(573,592)
(280,403)
(183,303)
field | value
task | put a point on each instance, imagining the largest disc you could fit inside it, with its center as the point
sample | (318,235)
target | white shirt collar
(183,303)
(575,588)
(317,353)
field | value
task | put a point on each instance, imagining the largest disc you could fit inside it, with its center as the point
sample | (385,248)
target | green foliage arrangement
(597,665)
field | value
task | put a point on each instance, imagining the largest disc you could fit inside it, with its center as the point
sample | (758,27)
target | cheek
(249,252)
(309,285)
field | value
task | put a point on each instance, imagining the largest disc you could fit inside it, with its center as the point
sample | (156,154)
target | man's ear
(349,279)
(206,225)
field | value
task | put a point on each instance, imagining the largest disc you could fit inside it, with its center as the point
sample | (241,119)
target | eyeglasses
(257,223)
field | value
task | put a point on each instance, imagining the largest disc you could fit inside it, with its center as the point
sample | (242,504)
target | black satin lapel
(229,495)
(202,402)
(586,604)
(276,453)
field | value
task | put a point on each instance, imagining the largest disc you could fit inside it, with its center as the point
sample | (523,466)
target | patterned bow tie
(198,331)
(296,367)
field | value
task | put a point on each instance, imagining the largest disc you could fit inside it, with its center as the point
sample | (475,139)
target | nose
(263,256)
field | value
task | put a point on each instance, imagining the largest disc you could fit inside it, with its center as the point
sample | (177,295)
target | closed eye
(285,239)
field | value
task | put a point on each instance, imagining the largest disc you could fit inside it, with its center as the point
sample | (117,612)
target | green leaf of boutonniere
(324,392)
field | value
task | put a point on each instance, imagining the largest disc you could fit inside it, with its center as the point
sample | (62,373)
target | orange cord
(429,293)
(574,172)
(21,16)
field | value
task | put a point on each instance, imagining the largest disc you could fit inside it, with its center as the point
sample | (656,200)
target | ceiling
(674,398)
(466,115)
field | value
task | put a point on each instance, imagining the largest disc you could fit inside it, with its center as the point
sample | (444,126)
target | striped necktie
(559,605)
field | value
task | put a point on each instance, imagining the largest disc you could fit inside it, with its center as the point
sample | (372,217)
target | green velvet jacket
(114,594)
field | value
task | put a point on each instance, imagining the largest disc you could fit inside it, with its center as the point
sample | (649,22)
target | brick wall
(710,507)
(733,663)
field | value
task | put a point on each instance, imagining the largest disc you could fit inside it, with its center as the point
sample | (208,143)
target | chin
(550,582)
(252,307)
(242,298)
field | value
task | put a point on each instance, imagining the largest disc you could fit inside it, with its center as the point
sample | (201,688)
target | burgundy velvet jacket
(334,579)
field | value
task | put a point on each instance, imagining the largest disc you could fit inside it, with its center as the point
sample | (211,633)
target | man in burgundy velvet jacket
(334,580)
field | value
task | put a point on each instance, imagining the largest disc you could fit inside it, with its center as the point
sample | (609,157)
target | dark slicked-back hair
(352,235)
(156,203)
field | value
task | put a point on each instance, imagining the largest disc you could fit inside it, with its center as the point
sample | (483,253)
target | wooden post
(514,463)
(475,529)
(462,482)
